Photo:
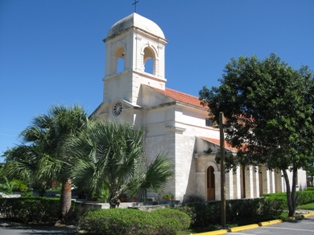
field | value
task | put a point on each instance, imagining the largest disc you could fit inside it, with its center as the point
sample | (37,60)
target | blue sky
(51,51)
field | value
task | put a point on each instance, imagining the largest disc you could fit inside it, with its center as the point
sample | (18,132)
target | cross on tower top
(134,3)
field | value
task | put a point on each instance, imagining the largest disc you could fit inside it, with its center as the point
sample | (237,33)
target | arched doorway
(210,183)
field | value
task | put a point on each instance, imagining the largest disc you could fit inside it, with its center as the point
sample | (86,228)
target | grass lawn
(309,206)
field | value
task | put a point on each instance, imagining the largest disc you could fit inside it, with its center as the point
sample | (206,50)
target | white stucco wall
(185,169)
(302,179)
(156,144)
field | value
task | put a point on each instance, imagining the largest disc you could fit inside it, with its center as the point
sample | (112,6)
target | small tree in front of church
(270,107)
(111,155)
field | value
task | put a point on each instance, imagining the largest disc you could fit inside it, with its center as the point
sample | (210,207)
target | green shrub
(244,208)
(19,185)
(178,220)
(26,210)
(278,196)
(302,197)
(271,207)
(31,210)
(204,215)
(305,197)
(130,221)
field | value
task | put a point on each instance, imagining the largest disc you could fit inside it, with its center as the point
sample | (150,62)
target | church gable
(149,97)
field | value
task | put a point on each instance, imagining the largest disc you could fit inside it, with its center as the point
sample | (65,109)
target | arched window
(210,183)
(149,60)
(119,56)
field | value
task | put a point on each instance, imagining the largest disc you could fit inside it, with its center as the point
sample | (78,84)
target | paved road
(36,230)
(299,227)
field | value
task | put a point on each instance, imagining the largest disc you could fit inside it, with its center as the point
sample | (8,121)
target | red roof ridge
(217,142)
(180,96)
(182,93)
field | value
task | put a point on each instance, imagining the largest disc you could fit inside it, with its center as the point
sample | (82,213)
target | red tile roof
(217,142)
(181,97)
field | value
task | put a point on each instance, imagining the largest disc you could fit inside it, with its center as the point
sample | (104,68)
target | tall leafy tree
(44,151)
(111,155)
(269,106)
(310,173)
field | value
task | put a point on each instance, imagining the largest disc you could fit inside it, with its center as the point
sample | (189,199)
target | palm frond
(158,173)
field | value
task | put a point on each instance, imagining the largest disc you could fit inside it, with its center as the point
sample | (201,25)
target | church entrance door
(210,183)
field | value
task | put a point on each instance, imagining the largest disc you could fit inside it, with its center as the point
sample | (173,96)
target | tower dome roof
(138,21)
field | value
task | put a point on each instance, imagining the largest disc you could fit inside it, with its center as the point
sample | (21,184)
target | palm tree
(155,176)
(45,149)
(111,155)
(20,163)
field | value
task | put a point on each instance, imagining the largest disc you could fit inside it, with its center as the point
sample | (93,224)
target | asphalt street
(299,227)
(37,230)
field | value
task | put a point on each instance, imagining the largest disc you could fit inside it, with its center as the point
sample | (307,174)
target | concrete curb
(242,228)
(308,215)
(266,223)
(292,218)
(216,232)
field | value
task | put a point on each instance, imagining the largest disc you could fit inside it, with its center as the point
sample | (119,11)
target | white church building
(173,121)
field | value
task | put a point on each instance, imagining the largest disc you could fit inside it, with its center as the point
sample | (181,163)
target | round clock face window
(117,109)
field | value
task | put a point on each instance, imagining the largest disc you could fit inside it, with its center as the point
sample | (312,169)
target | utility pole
(222,171)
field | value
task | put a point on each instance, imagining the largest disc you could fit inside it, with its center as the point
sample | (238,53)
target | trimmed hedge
(178,220)
(303,197)
(207,214)
(31,210)
(134,222)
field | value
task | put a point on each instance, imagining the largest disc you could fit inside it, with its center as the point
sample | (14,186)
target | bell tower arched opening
(119,60)
(149,61)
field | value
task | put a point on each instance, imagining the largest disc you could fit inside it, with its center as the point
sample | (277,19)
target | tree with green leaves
(6,186)
(110,155)
(310,173)
(44,152)
(22,164)
(269,106)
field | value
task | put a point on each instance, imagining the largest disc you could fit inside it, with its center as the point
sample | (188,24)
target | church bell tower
(132,44)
